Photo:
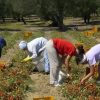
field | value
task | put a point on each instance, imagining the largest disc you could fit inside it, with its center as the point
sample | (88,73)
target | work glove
(26,59)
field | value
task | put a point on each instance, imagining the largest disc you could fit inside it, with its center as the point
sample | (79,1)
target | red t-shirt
(64,47)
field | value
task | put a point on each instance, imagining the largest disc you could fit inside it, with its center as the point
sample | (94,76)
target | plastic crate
(2,64)
(44,98)
(27,35)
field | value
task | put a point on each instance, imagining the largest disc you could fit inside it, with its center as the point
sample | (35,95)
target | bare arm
(67,62)
(88,75)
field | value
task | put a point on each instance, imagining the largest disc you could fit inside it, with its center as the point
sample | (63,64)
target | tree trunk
(54,21)
(60,21)
(18,19)
(61,25)
(23,20)
(85,20)
(57,21)
(3,19)
(88,19)
(14,18)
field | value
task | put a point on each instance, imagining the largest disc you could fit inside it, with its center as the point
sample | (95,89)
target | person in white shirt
(91,57)
(35,48)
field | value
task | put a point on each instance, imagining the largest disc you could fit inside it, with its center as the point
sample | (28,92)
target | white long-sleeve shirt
(93,55)
(35,46)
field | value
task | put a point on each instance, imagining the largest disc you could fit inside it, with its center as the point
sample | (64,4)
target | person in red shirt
(59,48)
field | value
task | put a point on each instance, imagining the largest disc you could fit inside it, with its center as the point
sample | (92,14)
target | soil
(42,88)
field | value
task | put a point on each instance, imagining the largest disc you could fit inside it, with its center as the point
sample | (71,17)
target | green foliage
(54,10)
(98,4)
(2,8)
(56,34)
(81,38)
(72,90)
(84,9)
(23,7)
(14,79)
(11,39)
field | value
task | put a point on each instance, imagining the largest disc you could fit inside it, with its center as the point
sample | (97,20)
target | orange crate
(95,29)
(27,34)
(2,64)
(44,98)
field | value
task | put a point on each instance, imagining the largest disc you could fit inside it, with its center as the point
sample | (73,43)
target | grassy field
(15,81)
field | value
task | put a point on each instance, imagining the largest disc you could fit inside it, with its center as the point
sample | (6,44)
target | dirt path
(42,88)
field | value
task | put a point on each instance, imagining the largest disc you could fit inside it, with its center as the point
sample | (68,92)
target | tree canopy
(54,10)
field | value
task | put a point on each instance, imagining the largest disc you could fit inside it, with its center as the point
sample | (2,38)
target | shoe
(56,85)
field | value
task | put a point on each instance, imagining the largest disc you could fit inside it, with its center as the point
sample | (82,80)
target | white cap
(22,45)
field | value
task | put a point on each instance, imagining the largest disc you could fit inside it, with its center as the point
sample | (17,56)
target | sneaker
(56,85)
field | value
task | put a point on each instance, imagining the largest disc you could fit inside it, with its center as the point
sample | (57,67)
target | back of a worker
(2,44)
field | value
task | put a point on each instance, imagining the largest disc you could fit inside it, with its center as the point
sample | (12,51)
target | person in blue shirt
(2,44)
